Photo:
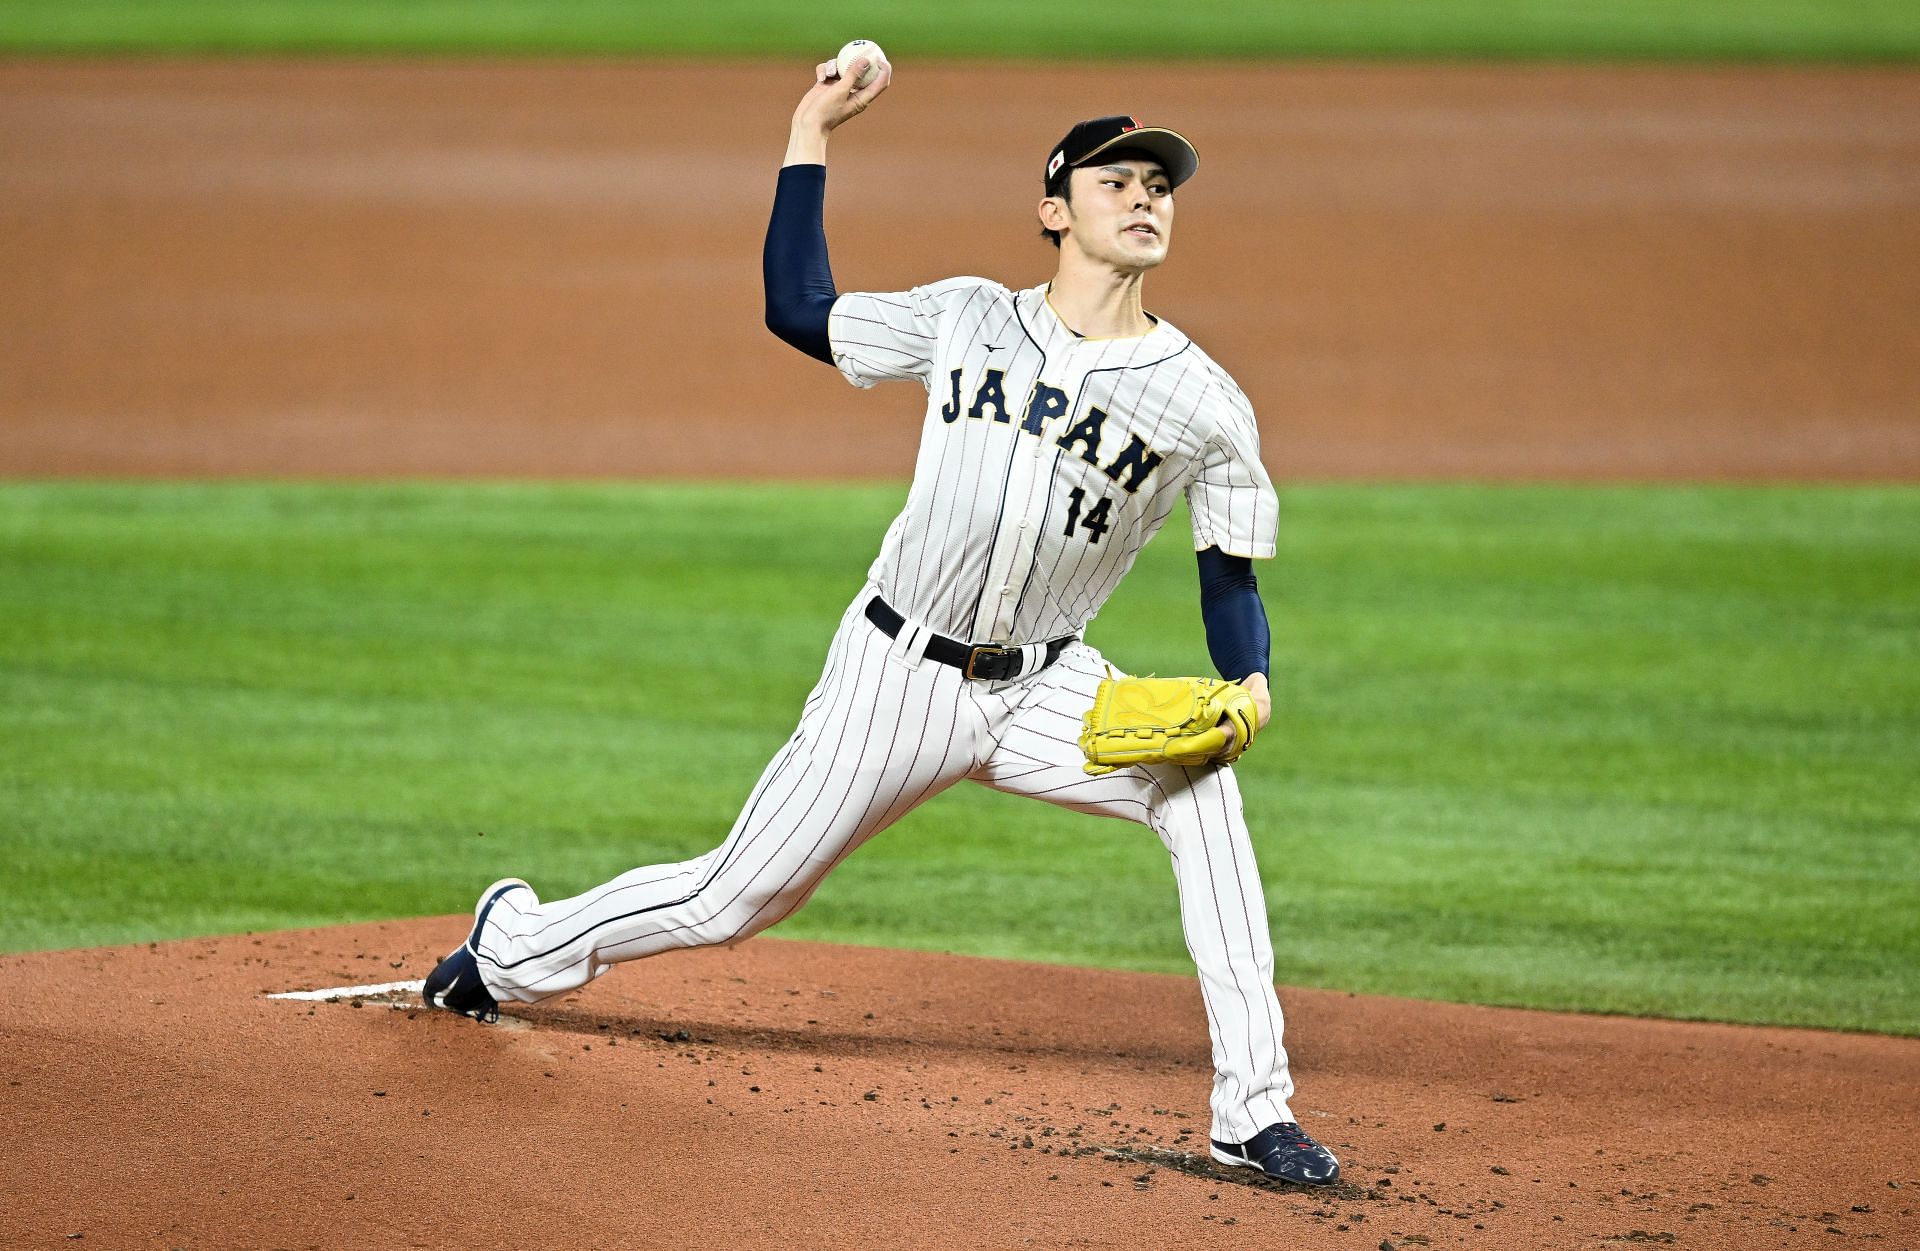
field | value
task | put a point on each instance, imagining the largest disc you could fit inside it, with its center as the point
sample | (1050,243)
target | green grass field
(1790,30)
(1634,750)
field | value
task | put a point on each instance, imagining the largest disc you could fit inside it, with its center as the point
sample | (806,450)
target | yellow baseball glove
(1165,721)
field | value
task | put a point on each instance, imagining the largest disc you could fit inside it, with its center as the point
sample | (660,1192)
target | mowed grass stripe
(1839,30)
(1639,750)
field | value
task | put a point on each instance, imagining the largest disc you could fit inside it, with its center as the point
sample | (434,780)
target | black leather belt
(987,663)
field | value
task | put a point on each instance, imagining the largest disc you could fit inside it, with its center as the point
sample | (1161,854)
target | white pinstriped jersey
(1046,461)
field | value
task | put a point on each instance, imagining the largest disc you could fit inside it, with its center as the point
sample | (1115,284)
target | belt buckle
(990,653)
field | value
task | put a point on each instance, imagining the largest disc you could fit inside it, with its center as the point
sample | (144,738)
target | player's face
(1121,213)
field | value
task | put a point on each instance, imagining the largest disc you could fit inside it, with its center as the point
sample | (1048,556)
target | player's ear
(1054,214)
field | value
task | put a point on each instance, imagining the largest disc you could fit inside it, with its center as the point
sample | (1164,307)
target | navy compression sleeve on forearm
(1237,635)
(794,265)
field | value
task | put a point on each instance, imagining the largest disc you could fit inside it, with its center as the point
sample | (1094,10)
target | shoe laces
(1292,1137)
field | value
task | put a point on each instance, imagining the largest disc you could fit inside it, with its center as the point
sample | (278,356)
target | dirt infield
(798,1095)
(553,269)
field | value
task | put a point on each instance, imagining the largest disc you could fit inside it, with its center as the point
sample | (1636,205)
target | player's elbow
(785,324)
(801,327)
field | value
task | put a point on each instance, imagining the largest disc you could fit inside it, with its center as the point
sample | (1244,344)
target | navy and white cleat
(455,983)
(1283,1152)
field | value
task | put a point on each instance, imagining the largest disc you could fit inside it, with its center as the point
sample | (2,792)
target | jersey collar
(1045,291)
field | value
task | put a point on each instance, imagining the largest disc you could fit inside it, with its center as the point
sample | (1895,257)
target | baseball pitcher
(1061,424)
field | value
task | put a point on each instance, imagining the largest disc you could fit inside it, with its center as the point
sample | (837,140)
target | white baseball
(854,50)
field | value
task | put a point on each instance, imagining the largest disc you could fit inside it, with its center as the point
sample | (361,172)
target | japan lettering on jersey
(1046,460)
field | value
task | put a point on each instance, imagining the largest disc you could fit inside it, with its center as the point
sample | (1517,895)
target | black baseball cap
(1089,139)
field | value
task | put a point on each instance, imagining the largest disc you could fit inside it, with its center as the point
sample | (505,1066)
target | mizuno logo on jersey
(1131,467)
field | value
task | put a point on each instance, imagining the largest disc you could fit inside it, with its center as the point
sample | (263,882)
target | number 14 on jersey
(1094,523)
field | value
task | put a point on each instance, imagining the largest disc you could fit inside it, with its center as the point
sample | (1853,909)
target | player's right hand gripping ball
(853,51)
(1166,721)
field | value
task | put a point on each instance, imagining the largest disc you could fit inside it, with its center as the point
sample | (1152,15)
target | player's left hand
(1256,686)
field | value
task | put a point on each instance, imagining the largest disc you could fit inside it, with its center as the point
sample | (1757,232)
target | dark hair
(1061,184)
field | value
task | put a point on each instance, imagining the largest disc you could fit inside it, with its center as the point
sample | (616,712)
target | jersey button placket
(1004,571)
(1032,529)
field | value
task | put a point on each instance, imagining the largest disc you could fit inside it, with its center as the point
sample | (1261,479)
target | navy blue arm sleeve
(794,265)
(1237,635)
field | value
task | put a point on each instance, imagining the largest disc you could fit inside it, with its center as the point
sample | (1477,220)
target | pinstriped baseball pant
(882,732)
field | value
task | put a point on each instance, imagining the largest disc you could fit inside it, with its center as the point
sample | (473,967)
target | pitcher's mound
(799,1095)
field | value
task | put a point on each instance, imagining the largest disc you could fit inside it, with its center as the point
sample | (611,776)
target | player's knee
(1191,800)
(738,920)
(715,928)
